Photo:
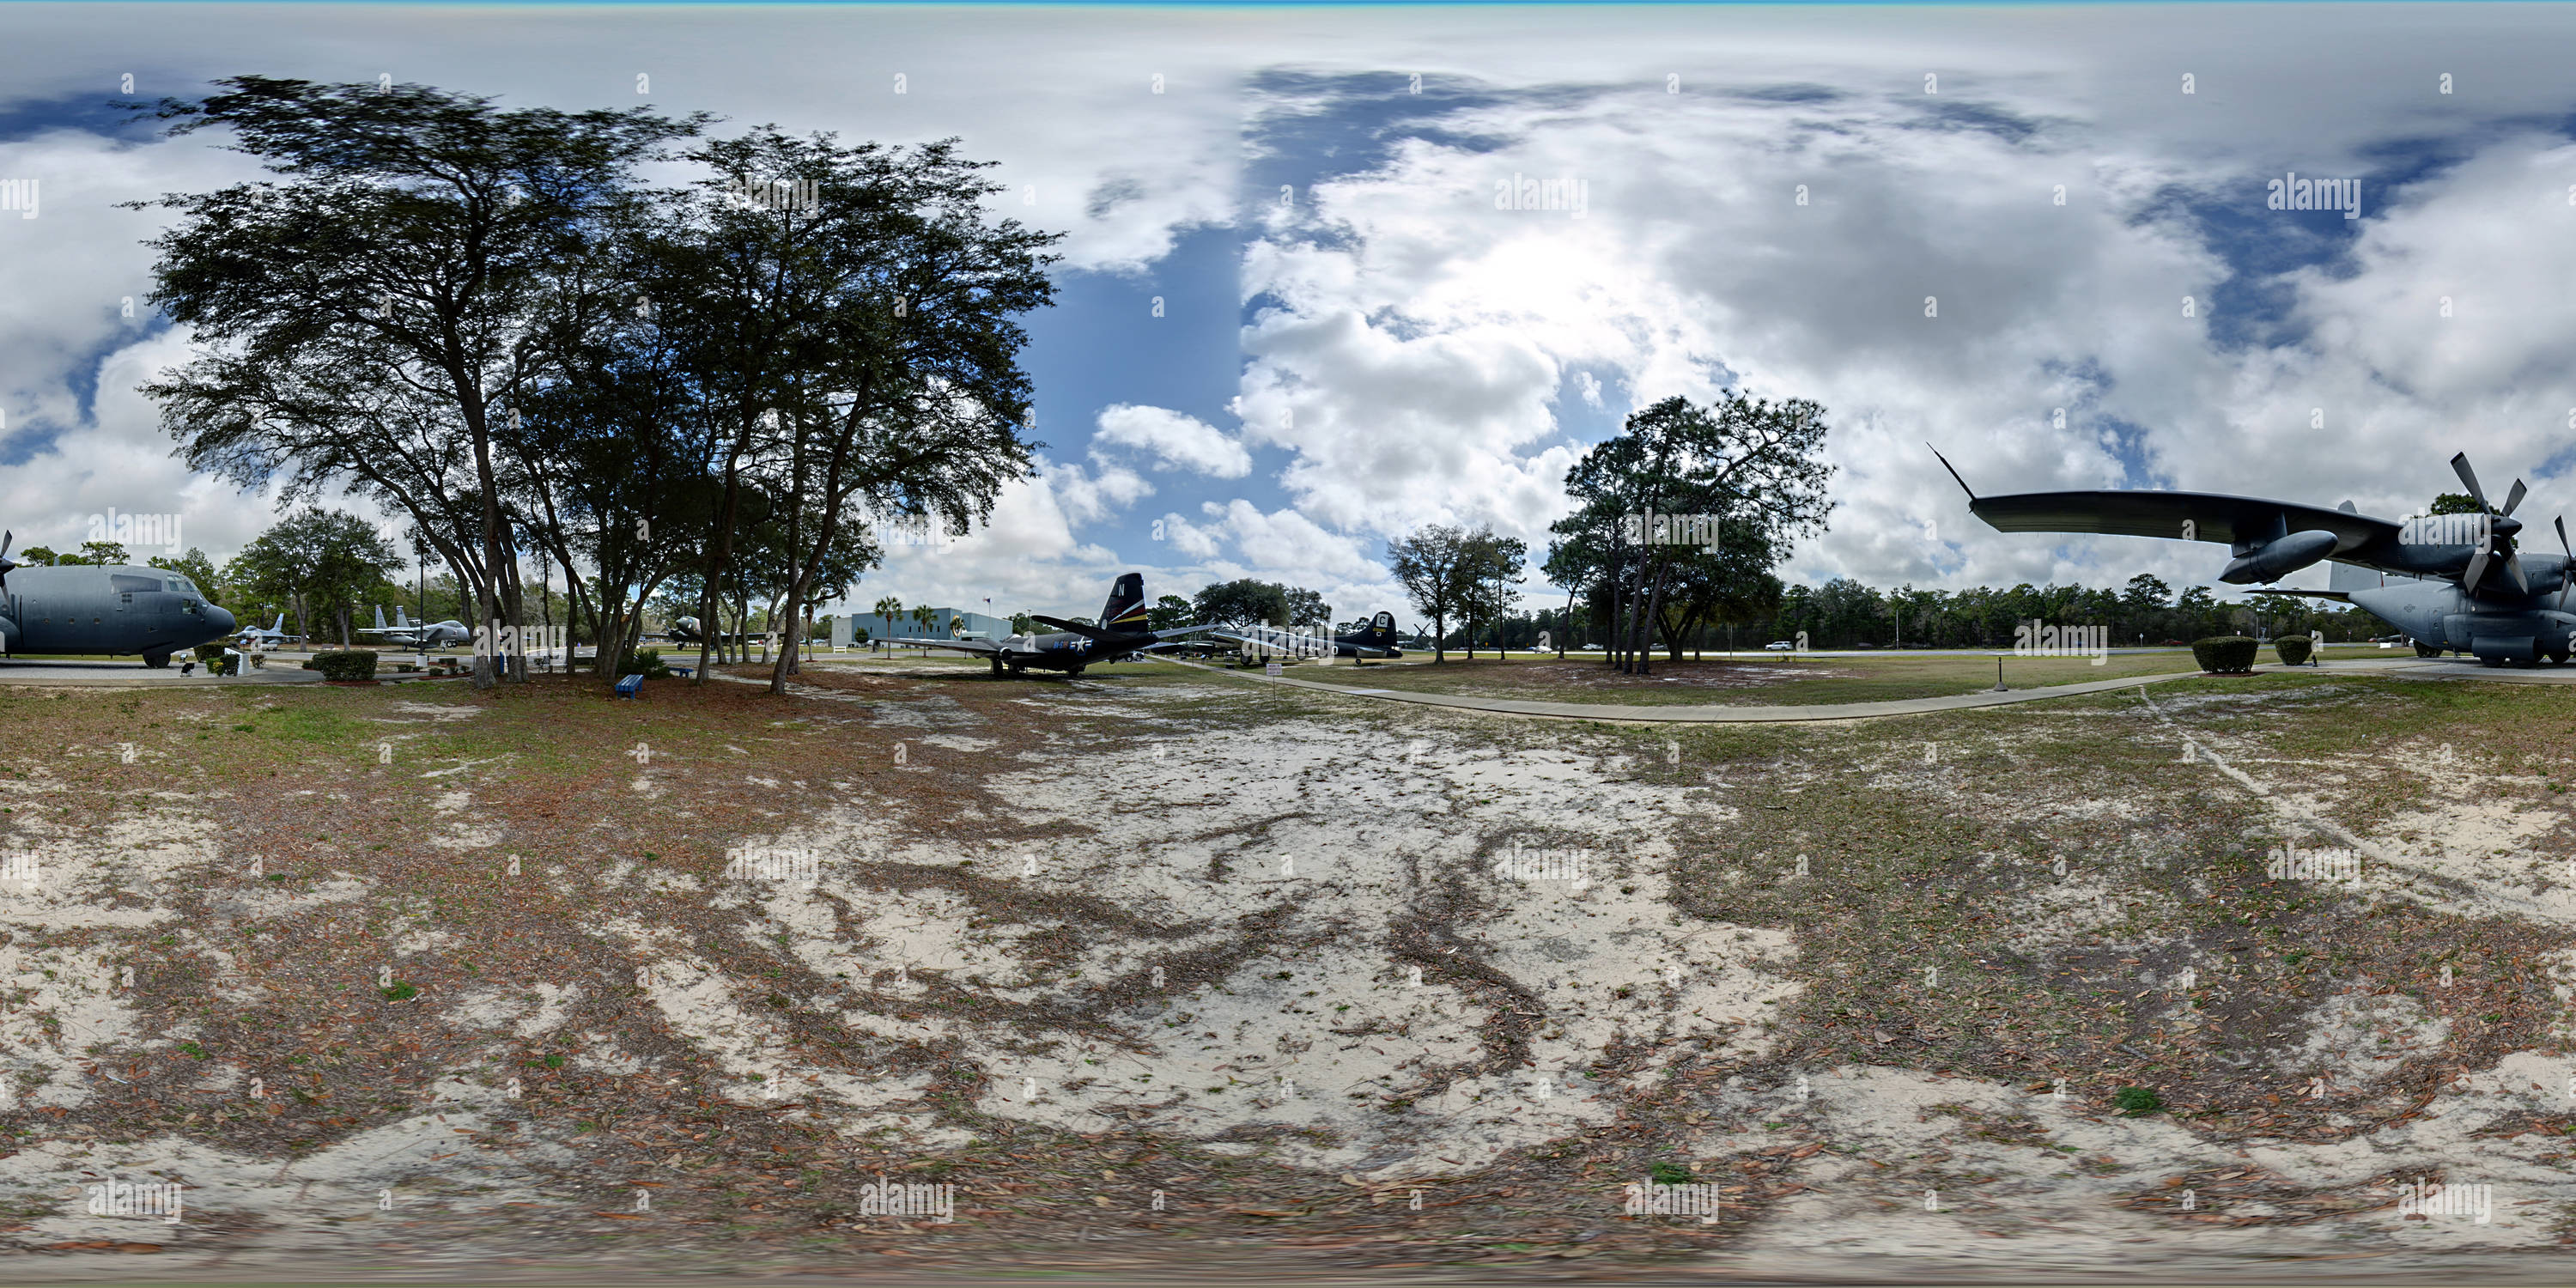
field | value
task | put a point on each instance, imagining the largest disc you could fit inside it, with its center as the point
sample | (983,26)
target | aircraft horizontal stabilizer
(1092,632)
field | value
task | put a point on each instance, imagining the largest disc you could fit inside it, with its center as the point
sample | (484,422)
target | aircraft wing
(1182,630)
(962,646)
(2213,516)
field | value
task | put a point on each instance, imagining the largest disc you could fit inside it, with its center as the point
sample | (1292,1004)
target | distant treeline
(1843,613)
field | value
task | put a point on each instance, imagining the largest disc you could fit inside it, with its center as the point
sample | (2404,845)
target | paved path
(2408,667)
(135,675)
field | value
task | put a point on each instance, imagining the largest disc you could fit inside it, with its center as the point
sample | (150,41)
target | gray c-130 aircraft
(2448,581)
(112,609)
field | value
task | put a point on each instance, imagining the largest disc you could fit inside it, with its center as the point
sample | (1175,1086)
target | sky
(1292,322)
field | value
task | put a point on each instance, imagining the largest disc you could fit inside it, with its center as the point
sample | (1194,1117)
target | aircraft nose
(220,619)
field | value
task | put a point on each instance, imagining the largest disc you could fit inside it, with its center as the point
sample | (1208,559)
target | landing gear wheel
(156,661)
(997,668)
(1077,669)
(2426,650)
(2558,657)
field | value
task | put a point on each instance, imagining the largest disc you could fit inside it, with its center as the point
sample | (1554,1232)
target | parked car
(1780,646)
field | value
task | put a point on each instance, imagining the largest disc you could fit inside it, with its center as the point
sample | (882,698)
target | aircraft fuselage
(117,610)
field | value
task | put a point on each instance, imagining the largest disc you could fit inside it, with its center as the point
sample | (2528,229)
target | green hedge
(354,664)
(2294,649)
(209,652)
(2226,654)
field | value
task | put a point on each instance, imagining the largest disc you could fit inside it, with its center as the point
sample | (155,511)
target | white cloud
(1179,441)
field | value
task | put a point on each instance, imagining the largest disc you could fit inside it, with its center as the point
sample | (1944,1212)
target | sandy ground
(1390,959)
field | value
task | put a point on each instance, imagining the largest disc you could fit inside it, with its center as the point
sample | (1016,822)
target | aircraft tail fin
(2344,577)
(402,620)
(380,617)
(1125,610)
(1381,631)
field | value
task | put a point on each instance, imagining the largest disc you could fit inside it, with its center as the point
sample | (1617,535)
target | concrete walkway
(135,675)
(2409,667)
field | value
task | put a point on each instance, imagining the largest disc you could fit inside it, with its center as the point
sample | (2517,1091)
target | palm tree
(887,609)
(922,615)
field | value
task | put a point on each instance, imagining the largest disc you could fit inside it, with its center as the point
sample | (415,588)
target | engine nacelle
(2278,559)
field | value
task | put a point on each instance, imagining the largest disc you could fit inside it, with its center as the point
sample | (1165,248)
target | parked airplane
(408,634)
(112,609)
(2449,581)
(1265,643)
(269,636)
(1072,646)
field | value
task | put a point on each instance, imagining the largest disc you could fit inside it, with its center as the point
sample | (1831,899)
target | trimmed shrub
(2225,654)
(351,664)
(2294,649)
(221,666)
(646,663)
(209,652)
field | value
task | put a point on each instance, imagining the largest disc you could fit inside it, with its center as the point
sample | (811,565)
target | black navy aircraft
(111,609)
(2449,581)
(1072,646)
(1264,643)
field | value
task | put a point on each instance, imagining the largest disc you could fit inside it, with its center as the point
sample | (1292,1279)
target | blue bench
(683,672)
(630,686)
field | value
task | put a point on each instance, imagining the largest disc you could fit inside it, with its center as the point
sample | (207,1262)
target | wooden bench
(630,686)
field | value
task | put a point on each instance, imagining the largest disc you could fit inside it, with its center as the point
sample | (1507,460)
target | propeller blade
(2513,566)
(2514,497)
(2477,570)
(5,539)
(2460,466)
(2566,570)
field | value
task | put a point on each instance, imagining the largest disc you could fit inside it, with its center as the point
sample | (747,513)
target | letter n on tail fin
(1126,607)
